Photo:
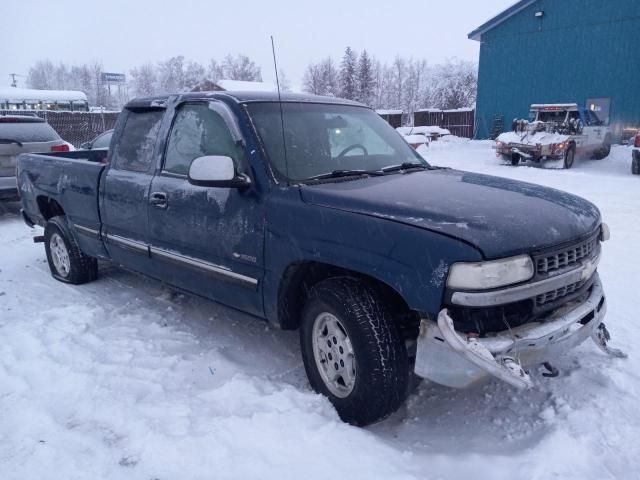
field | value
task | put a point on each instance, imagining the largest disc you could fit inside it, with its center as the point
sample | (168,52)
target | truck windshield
(325,138)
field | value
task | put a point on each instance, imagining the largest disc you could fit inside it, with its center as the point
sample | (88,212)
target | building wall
(579,49)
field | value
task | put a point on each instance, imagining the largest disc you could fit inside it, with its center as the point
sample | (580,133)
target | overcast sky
(125,33)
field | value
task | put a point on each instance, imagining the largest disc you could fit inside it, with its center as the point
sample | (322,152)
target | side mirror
(216,171)
(85,146)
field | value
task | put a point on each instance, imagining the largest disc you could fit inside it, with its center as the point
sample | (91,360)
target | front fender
(411,260)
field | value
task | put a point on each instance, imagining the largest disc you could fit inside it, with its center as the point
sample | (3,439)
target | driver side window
(198,131)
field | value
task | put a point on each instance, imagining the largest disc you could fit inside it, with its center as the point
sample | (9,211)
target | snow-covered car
(23,134)
(416,141)
(432,132)
(557,132)
(635,156)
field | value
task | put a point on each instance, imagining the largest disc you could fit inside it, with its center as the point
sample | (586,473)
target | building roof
(27,94)
(243,97)
(498,19)
(243,85)
(389,112)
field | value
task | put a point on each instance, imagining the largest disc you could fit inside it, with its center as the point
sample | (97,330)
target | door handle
(158,200)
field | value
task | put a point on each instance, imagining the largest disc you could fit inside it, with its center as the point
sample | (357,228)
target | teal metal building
(560,51)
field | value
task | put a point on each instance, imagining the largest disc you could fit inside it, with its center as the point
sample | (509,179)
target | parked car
(101,142)
(558,132)
(635,155)
(336,227)
(432,133)
(20,134)
(416,141)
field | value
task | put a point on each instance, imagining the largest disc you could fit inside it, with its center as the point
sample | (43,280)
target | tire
(569,157)
(66,261)
(604,151)
(366,338)
(515,159)
(635,165)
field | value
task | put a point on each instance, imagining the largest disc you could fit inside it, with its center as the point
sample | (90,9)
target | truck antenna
(284,141)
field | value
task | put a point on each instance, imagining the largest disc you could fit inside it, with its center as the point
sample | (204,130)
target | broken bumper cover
(456,360)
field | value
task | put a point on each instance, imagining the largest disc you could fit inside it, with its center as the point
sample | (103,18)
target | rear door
(125,188)
(203,239)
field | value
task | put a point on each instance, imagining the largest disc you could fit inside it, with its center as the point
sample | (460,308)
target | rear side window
(103,140)
(28,132)
(134,149)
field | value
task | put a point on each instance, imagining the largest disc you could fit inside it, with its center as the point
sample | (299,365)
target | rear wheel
(66,261)
(635,165)
(353,352)
(569,157)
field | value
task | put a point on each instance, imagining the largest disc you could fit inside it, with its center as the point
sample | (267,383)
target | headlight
(492,274)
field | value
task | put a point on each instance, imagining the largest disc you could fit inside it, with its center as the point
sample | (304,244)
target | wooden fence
(74,127)
(460,122)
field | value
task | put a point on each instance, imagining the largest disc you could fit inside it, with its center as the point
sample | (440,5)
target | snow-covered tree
(366,80)
(348,75)
(171,75)
(193,75)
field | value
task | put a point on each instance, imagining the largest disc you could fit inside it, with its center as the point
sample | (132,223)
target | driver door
(206,240)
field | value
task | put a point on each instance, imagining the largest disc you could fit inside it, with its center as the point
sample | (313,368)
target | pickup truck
(314,214)
(557,132)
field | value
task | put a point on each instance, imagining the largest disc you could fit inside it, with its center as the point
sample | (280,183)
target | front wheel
(66,261)
(604,151)
(353,352)
(569,157)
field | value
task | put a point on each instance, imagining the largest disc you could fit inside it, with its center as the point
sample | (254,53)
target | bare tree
(241,67)
(144,80)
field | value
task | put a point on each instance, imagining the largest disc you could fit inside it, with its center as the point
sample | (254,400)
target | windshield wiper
(10,140)
(404,166)
(345,173)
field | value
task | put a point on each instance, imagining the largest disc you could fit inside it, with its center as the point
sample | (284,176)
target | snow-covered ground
(125,379)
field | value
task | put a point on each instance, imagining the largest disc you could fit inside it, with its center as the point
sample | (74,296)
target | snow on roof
(436,110)
(242,85)
(26,94)
(554,105)
(389,112)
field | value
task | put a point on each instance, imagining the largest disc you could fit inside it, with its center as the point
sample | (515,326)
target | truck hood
(498,216)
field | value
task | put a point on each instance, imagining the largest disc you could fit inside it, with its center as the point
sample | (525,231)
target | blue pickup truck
(314,214)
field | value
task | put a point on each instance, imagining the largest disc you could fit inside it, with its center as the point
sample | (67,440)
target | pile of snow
(531,138)
(124,378)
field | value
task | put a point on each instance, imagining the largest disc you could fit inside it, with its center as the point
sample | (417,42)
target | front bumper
(456,360)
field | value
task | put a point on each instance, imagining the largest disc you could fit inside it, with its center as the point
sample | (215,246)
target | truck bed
(67,178)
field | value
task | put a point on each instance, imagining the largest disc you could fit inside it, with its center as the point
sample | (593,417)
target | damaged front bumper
(454,359)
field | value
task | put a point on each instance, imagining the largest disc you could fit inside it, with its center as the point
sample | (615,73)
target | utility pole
(14,82)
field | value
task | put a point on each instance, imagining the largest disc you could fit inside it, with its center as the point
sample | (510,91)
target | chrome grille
(558,293)
(559,260)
